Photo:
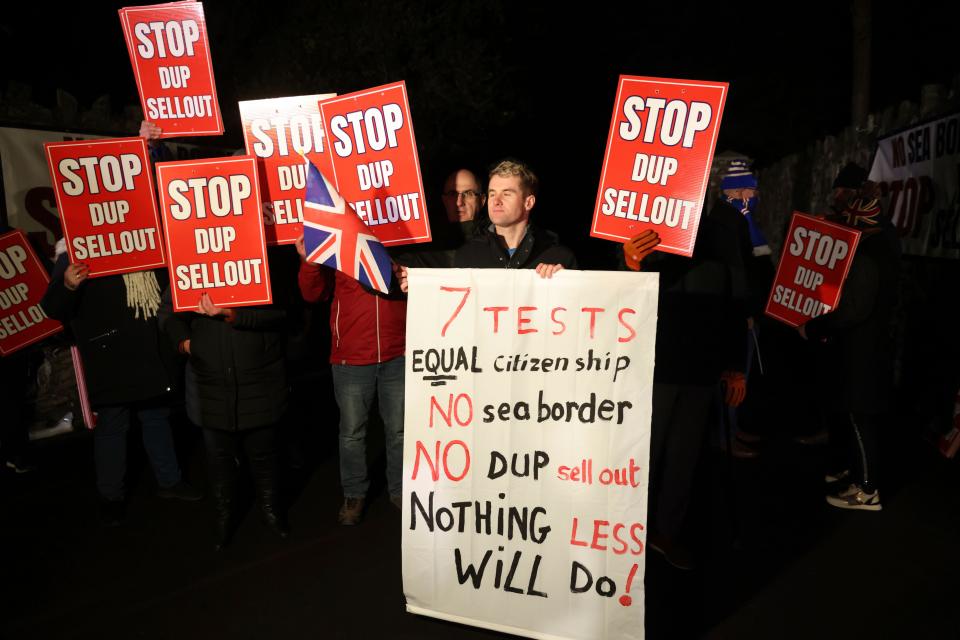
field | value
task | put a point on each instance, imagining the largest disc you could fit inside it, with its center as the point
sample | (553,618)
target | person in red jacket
(368,338)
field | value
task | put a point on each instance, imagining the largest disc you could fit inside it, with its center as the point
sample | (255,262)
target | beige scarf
(143,293)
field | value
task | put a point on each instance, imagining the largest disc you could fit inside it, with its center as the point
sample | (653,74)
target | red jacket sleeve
(316,282)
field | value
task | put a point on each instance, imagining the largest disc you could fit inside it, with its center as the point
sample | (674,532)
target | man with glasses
(463,197)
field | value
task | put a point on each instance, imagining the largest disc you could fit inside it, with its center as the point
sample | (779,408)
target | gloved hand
(639,247)
(734,387)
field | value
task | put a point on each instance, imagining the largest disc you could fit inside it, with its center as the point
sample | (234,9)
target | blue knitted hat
(738,176)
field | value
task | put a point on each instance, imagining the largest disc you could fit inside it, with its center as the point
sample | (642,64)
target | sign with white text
(214,232)
(816,259)
(918,170)
(170,55)
(526,445)
(23,281)
(280,132)
(375,163)
(105,197)
(657,164)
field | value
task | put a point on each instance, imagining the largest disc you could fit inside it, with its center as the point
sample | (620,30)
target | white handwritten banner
(527,432)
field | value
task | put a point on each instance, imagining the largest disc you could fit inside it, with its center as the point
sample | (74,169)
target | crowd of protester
(719,359)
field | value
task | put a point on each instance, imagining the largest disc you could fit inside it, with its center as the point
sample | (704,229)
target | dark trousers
(678,426)
(225,451)
(13,392)
(854,445)
(864,436)
(110,446)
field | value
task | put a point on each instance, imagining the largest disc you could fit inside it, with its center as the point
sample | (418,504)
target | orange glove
(734,387)
(639,247)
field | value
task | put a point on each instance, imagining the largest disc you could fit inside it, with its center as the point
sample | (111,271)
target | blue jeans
(354,387)
(110,446)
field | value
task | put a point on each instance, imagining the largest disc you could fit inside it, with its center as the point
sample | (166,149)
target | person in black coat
(700,330)
(236,390)
(859,331)
(128,371)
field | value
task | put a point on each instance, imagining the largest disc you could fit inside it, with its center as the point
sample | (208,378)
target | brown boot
(351,511)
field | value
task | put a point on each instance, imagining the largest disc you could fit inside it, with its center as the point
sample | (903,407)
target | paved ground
(776,561)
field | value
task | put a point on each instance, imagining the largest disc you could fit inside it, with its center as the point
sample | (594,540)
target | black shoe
(180,491)
(224,509)
(112,512)
(275,523)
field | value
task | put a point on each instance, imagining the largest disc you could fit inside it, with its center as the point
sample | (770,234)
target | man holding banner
(513,242)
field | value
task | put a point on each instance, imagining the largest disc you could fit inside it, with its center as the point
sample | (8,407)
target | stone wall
(18,109)
(802,181)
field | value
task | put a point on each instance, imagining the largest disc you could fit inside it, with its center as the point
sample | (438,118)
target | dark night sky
(491,79)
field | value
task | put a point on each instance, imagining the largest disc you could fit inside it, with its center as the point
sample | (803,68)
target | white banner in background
(918,170)
(527,433)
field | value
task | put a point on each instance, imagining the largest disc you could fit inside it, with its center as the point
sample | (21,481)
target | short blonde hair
(511,168)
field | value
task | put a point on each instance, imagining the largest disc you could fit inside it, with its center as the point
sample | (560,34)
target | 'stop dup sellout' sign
(23,281)
(280,132)
(657,163)
(375,164)
(104,192)
(170,55)
(816,260)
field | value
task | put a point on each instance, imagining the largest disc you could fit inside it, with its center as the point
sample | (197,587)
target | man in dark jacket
(128,371)
(700,331)
(512,241)
(859,331)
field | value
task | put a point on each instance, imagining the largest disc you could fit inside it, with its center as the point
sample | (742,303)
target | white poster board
(527,432)
(918,170)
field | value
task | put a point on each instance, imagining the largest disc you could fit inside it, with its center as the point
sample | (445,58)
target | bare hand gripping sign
(527,430)
(214,232)
(170,55)
(657,163)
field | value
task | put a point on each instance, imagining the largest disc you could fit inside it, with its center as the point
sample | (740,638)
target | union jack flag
(335,236)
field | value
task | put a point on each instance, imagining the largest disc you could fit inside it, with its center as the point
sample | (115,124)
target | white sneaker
(853,497)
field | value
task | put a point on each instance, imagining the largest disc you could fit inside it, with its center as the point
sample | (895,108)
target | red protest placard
(375,162)
(170,55)
(104,192)
(277,131)
(213,230)
(657,164)
(816,259)
(23,281)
